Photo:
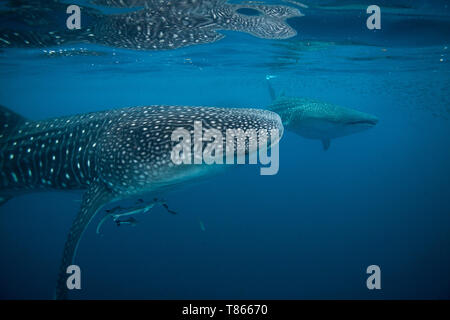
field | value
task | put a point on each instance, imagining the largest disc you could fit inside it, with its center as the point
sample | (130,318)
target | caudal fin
(4,199)
(9,121)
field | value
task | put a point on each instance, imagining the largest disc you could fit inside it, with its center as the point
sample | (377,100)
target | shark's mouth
(368,122)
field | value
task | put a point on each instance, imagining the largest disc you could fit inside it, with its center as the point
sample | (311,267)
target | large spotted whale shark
(110,155)
(150,25)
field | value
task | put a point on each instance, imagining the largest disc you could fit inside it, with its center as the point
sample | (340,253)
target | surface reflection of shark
(151,25)
(313,119)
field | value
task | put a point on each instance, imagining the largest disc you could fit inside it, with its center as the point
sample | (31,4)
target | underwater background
(379,197)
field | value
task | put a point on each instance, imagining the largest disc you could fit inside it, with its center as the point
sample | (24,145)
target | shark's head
(137,150)
(350,121)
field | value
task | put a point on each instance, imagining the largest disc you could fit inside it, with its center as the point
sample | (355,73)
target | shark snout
(275,119)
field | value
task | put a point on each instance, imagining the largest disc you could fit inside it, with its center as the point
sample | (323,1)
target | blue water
(379,197)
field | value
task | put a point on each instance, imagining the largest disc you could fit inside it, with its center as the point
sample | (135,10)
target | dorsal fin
(9,120)
(272,93)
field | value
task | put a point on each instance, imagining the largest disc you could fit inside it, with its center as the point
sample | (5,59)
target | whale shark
(314,119)
(145,25)
(108,155)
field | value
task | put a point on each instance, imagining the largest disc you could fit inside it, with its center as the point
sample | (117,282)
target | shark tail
(4,199)
(9,122)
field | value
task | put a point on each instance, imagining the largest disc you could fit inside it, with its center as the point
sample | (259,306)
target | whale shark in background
(318,120)
(110,155)
(145,25)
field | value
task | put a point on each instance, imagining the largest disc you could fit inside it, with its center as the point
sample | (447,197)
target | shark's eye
(248,12)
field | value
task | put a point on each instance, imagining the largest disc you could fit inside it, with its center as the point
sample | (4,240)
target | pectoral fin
(95,197)
(326,144)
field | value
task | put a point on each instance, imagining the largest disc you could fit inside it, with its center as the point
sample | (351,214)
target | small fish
(130,221)
(167,208)
(118,208)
